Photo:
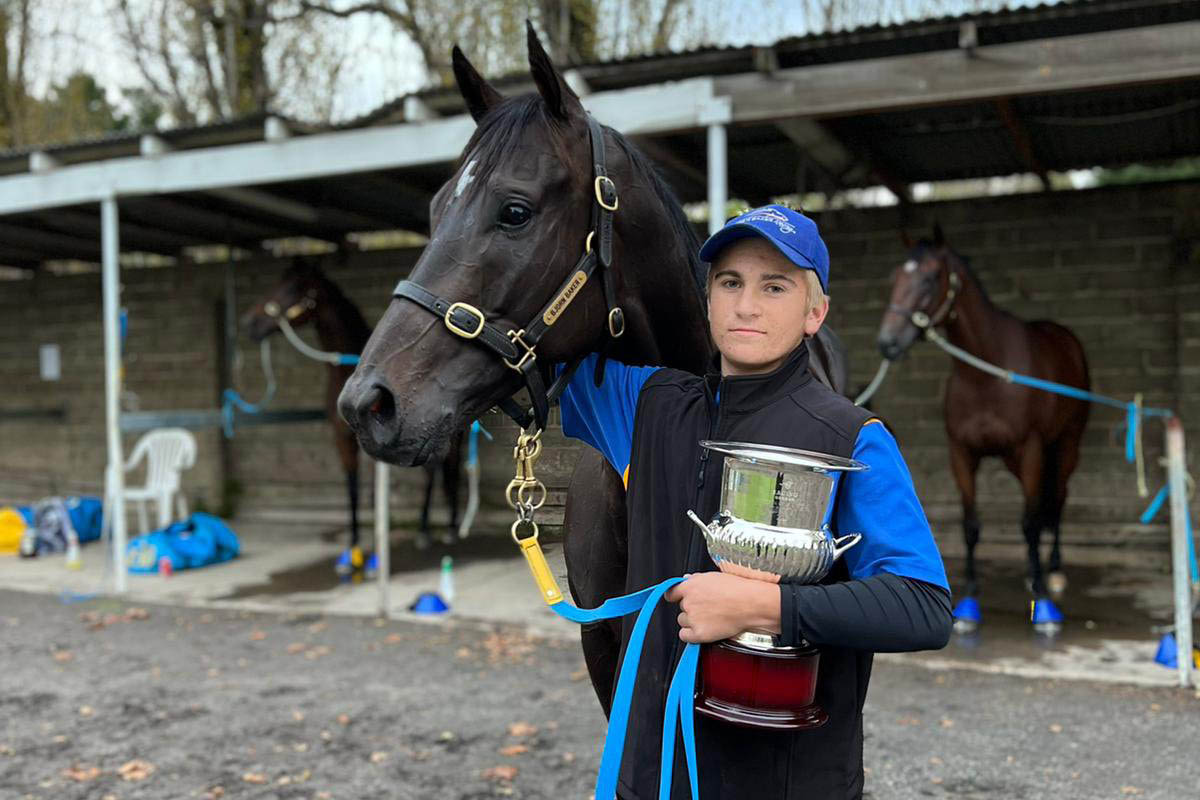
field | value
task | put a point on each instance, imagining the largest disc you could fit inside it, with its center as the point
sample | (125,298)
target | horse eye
(514,215)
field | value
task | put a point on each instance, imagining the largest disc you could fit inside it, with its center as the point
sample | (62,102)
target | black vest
(670,473)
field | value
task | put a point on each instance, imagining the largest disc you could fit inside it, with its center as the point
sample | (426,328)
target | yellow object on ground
(12,528)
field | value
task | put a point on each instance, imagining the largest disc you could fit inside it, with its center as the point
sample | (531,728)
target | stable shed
(1041,90)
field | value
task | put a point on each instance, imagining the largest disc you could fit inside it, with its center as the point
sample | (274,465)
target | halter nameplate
(560,303)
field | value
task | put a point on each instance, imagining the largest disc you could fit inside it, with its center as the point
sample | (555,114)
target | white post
(1176,470)
(115,474)
(382,541)
(718,189)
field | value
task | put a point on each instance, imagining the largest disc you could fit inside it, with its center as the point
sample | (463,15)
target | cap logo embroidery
(774,217)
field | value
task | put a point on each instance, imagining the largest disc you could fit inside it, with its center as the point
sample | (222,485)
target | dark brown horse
(507,230)
(305,294)
(1036,433)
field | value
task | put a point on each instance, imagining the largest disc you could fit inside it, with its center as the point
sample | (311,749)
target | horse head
(295,298)
(923,292)
(510,225)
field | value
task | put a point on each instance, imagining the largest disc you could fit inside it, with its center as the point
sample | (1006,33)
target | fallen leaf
(284,780)
(135,770)
(317,627)
(86,711)
(579,674)
(300,747)
(1132,790)
(324,796)
(254,777)
(317,652)
(513,750)
(215,793)
(935,780)
(343,719)
(935,760)
(462,652)
(909,721)
(504,772)
(257,636)
(1155,707)
(522,729)
(326,736)
(1056,728)
(947,723)
(296,647)
(568,757)
(63,656)
(81,774)
(60,739)
(213,672)
(378,757)
(137,614)
(7,750)
(298,715)
(446,736)
(393,638)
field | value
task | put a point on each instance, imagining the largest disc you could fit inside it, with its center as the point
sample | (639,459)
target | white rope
(963,355)
(875,383)
(299,344)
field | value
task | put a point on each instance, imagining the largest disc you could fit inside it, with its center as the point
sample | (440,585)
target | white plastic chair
(167,452)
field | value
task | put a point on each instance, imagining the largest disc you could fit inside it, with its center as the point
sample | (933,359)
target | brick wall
(1120,266)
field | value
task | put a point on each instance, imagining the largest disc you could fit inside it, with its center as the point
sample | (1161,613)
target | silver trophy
(771,526)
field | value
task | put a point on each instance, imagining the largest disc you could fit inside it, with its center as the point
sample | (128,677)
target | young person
(767,293)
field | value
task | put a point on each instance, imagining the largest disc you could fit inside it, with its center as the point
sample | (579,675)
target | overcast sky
(83,35)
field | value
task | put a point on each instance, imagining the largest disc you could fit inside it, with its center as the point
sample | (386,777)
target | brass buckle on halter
(600,192)
(463,332)
(616,322)
(515,338)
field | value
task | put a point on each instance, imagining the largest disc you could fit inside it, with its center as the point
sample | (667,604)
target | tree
(14,96)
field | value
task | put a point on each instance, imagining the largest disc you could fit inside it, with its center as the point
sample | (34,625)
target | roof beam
(1152,54)
(1021,139)
(838,162)
(49,244)
(678,105)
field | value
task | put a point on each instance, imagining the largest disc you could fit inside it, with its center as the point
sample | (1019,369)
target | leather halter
(516,346)
(924,321)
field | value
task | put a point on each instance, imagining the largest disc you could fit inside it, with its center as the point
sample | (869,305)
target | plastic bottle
(446,582)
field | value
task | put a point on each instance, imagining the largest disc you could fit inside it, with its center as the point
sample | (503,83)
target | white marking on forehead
(910,266)
(464,179)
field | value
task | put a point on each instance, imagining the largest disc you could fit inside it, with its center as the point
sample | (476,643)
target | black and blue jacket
(888,593)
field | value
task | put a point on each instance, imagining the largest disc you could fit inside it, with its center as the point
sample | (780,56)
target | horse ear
(478,93)
(561,101)
(939,238)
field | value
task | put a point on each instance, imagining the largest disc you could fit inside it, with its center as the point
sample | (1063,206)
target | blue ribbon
(679,696)
(1152,510)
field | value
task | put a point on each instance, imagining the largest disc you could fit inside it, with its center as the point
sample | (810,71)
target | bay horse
(306,294)
(508,229)
(1035,433)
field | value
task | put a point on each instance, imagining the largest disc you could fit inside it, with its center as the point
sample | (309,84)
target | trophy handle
(699,523)
(839,548)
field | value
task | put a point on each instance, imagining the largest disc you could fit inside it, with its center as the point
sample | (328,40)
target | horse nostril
(382,405)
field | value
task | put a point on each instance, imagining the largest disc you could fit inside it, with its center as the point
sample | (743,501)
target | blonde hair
(816,295)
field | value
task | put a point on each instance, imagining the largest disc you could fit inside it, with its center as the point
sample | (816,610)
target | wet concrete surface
(405,558)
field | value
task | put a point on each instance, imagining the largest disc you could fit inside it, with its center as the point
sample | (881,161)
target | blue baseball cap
(793,234)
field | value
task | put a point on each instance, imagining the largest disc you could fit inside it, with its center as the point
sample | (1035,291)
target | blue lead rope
(679,696)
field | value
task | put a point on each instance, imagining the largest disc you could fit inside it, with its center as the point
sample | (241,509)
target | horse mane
(676,219)
(502,128)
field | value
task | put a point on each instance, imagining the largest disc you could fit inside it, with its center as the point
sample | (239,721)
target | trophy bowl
(773,525)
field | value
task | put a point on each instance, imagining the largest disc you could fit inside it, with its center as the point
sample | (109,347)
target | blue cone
(429,603)
(968,610)
(1044,612)
(372,567)
(1168,651)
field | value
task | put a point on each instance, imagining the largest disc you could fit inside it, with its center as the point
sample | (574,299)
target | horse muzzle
(369,408)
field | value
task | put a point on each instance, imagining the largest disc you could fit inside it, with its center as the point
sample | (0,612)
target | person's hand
(715,606)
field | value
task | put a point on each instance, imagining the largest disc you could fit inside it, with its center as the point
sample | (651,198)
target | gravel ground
(104,702)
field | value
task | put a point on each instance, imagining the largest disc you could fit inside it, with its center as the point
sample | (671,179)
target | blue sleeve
(882,505)
(603,416)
